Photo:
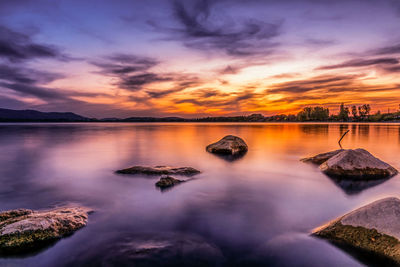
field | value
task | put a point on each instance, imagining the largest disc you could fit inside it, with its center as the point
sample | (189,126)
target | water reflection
(353,187)
(230,157)
(257,210)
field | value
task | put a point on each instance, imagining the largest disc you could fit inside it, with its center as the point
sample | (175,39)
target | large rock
(374,228)
(230,145)
(23,230)
(321,158)
(357,164)
(167,182)
(159,170)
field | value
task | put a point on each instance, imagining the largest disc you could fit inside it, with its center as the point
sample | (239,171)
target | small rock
(374,228)
(159,170)
(321,158)
(357,164)
(228,145)
(22,230)
(168,181)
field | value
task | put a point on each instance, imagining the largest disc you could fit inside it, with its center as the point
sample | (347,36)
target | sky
(196,58)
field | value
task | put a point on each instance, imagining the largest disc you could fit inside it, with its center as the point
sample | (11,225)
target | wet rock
(374,228)
(23,230)
(321,158)
(159,170)
(230,145)
(168,181)
(357,164)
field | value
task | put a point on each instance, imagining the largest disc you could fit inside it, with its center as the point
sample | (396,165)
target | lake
(256,210)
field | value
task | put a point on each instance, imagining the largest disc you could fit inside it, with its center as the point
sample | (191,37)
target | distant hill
(7,115)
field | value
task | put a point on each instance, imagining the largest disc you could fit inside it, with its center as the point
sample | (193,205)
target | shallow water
(258,209)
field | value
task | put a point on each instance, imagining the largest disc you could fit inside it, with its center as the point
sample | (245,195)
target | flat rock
(357,164)
(160,170)
(22,230)
(374,228)
(230,145)
(168,181)
(321,158)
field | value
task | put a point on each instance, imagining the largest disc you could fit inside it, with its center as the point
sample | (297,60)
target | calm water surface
(258,209)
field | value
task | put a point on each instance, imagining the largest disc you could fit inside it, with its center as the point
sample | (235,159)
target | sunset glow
(198,58)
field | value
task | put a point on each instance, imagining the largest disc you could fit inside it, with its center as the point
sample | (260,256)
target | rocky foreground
(230,145)
(160,170)
(374,228)
(352,164)
(24,230)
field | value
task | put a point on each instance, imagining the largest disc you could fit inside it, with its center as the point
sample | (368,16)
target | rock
(23,230)
(150,249)
(357,164)
(228,145)
(159,170)
(374,228)
(168,181)
(321,158)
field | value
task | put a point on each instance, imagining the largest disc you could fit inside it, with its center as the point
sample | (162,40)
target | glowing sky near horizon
(198,58)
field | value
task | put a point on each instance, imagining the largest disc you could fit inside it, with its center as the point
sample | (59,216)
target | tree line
(352,113)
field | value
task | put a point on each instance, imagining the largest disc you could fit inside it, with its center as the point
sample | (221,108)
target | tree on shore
(343,113)
(354,112)
(313,114)
(364,111)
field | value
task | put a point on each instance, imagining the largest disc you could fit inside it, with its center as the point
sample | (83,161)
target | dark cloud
(16,46)
(32,90)
(201,29)
(324,82)
(132,72)
(20,74)
(361,63)
(136,82)
(120,64)
(387,50)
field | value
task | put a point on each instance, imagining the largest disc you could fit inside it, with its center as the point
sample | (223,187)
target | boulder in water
(374,228)
(159,170)
(357,164)
(230,145)
(321,158)
(24,230)
(168,181)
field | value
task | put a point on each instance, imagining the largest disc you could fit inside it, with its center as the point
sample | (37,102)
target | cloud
(361,63)
(16,47)
(203,30)
(134,73)
(21,74)
(323,82)
(387,50)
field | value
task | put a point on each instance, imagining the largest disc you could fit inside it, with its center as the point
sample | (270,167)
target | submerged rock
(321,158)
(374,228)
(151,249)
(168,181)
(159,170)
(357,164)
(23,230)
(228,145)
